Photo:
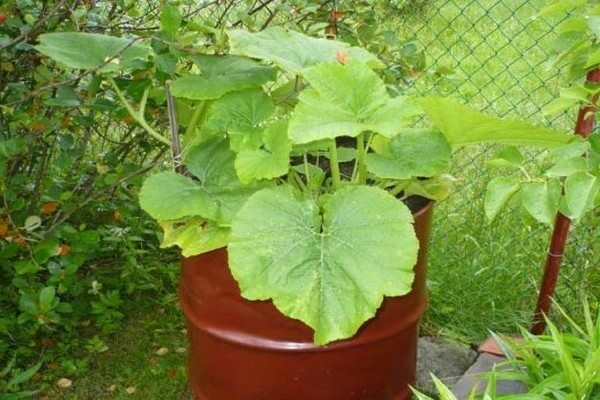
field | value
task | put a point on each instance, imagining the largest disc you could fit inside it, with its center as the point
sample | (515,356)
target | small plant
(13,379)
(296,156)
(557,365)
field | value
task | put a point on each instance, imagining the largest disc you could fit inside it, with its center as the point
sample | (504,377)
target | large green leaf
(567,167)
(239,111)
(90,50)
(508,157)
(499,191)
(345,100)
(463,125)
(217,195)
(581,189)
(541,200)
(268,162)
(169,196)
(294,51)
(220,75)
(213,163)
(405,156)
(194,236)
(330,265)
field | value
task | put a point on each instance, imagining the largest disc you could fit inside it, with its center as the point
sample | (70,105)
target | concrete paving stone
(472,378)
(447,361)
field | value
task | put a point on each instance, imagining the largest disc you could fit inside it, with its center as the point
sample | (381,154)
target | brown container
(247,350)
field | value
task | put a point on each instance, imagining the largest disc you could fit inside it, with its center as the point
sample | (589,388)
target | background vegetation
(88,305)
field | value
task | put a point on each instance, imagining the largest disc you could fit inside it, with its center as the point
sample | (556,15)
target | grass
(133,365)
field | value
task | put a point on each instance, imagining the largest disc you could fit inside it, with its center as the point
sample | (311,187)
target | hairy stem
(199,111)
(360,165)
(335,167)
(136,115)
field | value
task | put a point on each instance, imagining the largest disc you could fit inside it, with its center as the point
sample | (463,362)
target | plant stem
(136,115)
(361,153)
(335,168)
(306,171)
(298,180)
(196,116)
(396,190)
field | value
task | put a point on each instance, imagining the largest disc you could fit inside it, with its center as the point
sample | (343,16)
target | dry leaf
(49,207)
(64,383)
(162,351)
(130,390)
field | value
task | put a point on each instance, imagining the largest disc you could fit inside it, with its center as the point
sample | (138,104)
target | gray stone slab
(447,361)
(473,379)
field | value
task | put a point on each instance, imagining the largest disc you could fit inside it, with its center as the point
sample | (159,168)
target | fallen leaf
(117,216)
(112,388)
(180,350)
(162,351)
(64,383)
(64,250)
(49,207)
(3,228)
(130,390)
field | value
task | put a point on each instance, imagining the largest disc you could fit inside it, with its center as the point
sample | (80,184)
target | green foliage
(575,49)
(292,51)
(104,53)
(463,126)
(570,183)
(560,365)
(239,141)
(314,260)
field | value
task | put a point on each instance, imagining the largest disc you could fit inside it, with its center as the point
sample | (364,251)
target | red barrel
(247,350)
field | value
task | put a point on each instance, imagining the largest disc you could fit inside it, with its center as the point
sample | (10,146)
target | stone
(472,378)
(447,361)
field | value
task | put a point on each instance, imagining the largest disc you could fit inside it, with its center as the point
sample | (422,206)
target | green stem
(143,102)
(199,111)
(361,153)
(335,167)
(396,190)
(306,171)
(298,180)
(138,116)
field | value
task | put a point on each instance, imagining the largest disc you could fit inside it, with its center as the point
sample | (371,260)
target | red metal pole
(583,127)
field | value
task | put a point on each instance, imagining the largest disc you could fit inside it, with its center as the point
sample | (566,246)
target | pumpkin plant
(297,158)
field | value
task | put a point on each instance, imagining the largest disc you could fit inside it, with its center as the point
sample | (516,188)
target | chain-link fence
(495,55)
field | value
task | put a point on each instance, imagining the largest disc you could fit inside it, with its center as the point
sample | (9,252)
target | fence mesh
(499,55)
